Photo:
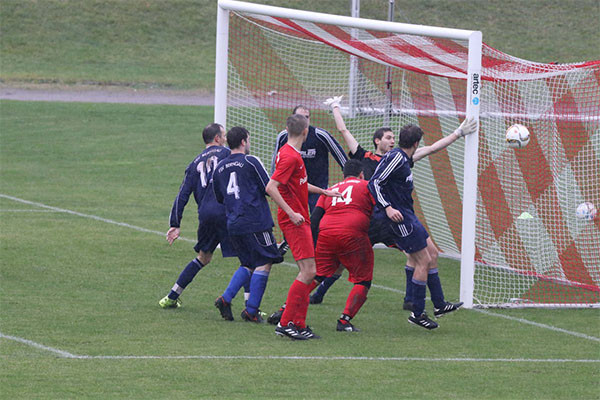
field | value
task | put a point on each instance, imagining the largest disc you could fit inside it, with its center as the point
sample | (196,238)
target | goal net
(530,249)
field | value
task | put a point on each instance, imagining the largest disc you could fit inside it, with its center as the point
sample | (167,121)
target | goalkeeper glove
(467,127)
(333,102)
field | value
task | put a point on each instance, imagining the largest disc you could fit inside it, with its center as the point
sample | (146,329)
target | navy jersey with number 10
(198,180)
(239,182)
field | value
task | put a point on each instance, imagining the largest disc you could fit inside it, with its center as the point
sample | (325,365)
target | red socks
(297,304)
(356,298)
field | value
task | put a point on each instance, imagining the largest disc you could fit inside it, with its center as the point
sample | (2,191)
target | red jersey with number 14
(352,211)
(290,172)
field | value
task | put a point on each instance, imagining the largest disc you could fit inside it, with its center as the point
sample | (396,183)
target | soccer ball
(517,136)
(586,211)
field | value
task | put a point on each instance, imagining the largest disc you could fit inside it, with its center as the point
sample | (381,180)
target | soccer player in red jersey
(289,188)
(344,238)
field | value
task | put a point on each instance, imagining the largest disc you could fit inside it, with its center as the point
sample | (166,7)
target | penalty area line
(65,354)
(140,229)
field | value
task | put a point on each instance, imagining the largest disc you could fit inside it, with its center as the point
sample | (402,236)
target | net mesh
(531,249)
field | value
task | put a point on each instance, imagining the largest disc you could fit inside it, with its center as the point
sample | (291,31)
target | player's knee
(204,257)
(366,284)
(433,254)
(266,268)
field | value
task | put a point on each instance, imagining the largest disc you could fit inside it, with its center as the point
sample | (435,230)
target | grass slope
(157,44)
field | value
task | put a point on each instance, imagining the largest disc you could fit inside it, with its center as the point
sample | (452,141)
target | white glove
(467,127)
(333,102)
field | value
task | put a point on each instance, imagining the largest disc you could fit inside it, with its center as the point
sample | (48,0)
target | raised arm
(334,103)
(467,127)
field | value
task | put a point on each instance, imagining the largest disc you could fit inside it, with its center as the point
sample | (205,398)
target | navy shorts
(409,235)
(381,232)
(211,232)
(256,249)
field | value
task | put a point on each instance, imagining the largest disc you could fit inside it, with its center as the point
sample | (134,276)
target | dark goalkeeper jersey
(239,182)
(369,160)
(198,180)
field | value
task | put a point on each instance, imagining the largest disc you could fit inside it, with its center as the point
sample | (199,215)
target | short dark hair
(296,124)
(209,133)
(379,134)
(409,135)
(300,106)
(352,168)
(236,135)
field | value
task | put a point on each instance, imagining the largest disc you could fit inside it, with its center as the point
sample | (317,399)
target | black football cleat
(345,326)
(308,333)
(290,330)
(276,316)
(448,308)
(422,321)
(246,316)
(224,308)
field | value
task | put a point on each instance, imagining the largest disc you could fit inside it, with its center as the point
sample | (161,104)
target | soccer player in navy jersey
(239,183)
(211,230)
(315,154)
(392,186)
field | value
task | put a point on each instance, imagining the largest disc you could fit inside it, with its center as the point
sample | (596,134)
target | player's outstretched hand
(333,102)
(394,214)
(172,235)
(467,127)
(331,193)
(296,218)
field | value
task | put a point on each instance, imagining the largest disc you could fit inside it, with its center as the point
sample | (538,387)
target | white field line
(137,228)
(61,353)
(32,211)
(65,354)
(539,325)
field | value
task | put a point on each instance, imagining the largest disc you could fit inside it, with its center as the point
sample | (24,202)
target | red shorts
(351,250)
(300,240)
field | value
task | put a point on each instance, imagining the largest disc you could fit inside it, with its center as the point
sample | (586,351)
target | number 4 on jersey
(232,186)
(346,197)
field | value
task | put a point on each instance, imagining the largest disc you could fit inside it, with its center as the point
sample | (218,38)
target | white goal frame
(473,91)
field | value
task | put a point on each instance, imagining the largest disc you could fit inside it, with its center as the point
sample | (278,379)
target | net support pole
(388,76)
(469,211)
(352,81)
(221,66)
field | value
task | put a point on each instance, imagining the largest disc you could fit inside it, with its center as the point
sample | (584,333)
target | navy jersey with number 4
(392,183)
(198,180)
(239,182)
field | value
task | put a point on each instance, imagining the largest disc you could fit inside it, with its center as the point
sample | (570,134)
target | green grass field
(171,45)
(85,194)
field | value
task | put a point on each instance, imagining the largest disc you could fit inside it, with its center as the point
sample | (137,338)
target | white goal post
(269,59)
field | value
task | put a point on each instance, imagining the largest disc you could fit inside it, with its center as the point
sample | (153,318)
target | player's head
(238,138)
(353,168)
(383,139)
(297,125)
(302,110)
(213,133)
(409,136)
